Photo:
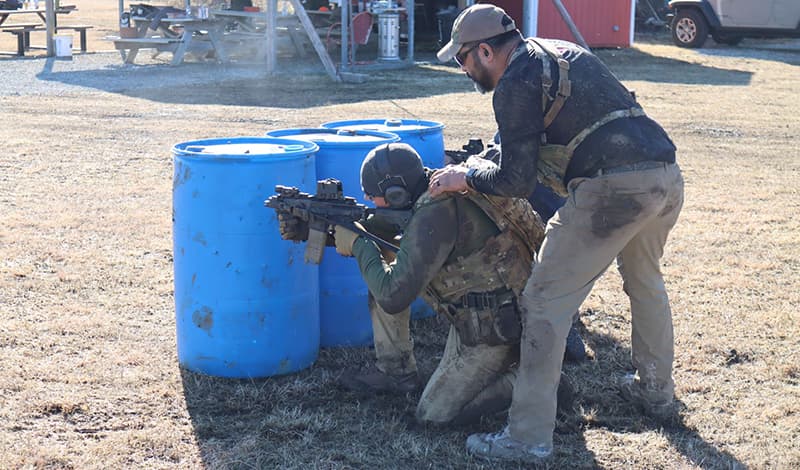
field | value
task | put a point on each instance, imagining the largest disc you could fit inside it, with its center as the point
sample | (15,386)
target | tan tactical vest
(554,158)
(505,261)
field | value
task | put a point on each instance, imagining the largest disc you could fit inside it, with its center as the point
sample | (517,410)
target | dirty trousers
(627,216)
(468,382)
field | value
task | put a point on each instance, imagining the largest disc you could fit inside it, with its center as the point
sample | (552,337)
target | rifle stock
(472,147)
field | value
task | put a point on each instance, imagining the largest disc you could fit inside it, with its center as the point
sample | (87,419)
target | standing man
(565,120)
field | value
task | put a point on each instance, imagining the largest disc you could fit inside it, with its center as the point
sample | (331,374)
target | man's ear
(485,51)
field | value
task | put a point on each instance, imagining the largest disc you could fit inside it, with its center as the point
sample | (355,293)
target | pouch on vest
(495,327)
(554,158)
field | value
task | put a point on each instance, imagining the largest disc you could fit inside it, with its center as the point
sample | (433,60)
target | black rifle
(473,147)
(328,208)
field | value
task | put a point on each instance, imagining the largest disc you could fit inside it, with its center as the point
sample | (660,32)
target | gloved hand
(292,228)
(344,240)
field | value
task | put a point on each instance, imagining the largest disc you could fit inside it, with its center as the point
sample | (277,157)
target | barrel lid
(245,147)
(337,137)
(396,126)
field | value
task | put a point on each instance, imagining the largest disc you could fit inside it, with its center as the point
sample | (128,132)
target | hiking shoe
(633,391)
(374,381)
(501,446)
(575,350)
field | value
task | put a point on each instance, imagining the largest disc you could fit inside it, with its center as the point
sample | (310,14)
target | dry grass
(87,333)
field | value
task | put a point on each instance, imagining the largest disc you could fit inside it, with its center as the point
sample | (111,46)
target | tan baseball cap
(477,22)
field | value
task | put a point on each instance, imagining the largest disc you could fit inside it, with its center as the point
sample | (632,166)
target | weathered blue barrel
(343,310)
(246,305)
(424,136)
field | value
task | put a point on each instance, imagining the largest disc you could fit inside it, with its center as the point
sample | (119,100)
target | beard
(478,87)
(480,79)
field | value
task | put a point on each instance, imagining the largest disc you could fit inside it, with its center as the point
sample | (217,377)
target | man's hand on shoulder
(452,178)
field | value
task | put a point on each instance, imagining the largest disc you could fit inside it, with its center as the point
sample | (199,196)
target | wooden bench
(132,45)
(23,33)
(80,28)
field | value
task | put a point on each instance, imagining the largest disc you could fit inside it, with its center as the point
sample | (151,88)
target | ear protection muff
(393,187)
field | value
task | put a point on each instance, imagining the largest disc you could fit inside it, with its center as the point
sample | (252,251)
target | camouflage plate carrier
(478,293)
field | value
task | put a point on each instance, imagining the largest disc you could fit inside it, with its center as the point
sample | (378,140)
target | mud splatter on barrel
(246,305)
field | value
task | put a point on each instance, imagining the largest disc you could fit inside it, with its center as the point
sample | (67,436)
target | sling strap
(613,115)
(564,85)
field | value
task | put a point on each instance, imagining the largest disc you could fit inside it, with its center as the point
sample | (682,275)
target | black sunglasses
(461,56)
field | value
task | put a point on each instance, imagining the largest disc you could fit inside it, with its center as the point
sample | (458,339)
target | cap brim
(449,51)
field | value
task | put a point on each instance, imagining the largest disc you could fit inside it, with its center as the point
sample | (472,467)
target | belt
(485,300)
(646,165)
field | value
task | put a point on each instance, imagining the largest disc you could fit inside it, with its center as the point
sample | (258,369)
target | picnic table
(251,26)
(24,30)
(177,35)
(40,12)
(160,32)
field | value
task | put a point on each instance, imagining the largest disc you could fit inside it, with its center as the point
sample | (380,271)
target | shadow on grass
(305,420)
(634,64)
(300,85)
(611,412)
(297,85)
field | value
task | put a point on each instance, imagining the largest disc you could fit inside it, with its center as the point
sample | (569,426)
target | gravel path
(105,71)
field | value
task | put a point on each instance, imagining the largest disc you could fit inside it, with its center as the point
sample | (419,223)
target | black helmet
(395,173)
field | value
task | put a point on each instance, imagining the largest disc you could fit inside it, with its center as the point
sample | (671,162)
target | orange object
(324,8)
(252,9)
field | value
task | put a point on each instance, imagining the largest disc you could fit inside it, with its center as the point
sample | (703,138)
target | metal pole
(345,7)
(410,13)
(351,39)
(311,32)
(50,15)
(530,18)
(272,5)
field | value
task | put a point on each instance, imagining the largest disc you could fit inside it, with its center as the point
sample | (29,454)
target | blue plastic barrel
(424,136)
(343,311)
(245,303)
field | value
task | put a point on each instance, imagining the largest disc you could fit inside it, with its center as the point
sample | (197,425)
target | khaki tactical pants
(469,381)
(626,216)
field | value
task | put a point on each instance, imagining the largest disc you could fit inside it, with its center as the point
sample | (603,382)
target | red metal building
(602,23)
